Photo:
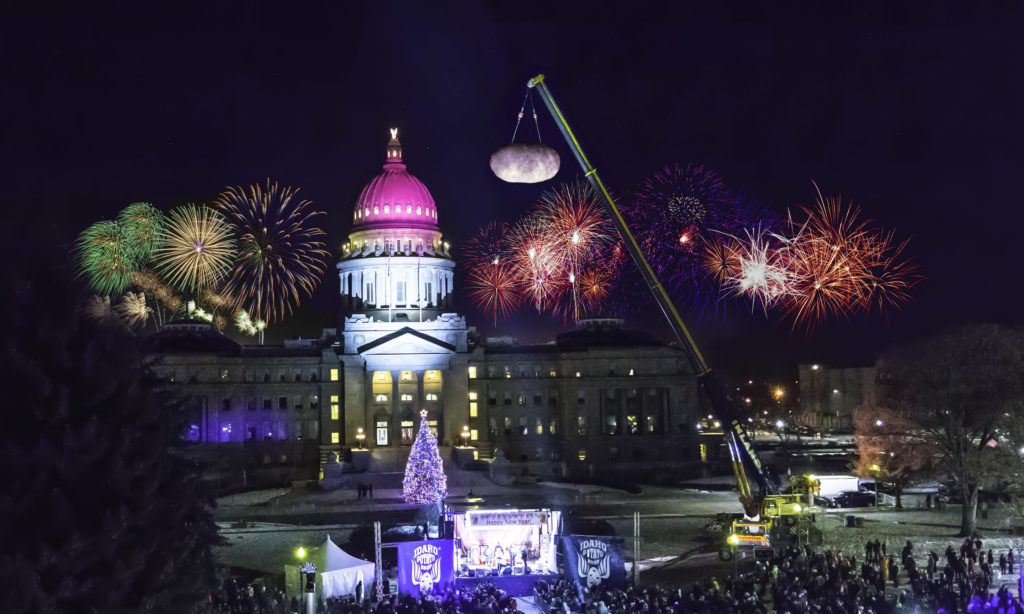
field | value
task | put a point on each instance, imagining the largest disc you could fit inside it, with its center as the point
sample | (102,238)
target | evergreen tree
(99,511)
(424,482)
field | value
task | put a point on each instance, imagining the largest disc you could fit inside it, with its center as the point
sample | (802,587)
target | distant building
(829,396)
(593,400)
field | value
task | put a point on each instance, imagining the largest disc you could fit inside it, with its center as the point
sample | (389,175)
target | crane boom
(740,449)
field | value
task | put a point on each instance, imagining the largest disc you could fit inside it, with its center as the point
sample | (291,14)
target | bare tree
(888,449)
(952,398)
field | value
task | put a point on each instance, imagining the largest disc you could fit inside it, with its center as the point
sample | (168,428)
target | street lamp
(876,469)
(360,436)
(465,435)
(300,553)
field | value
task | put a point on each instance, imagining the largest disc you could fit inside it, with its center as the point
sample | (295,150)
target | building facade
(596,398)
(829,396)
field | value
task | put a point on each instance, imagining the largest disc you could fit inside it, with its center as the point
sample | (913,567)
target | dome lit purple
(395,198)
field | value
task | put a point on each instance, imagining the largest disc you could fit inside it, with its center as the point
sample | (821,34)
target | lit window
(553,374)
(382,398)
(508,373)
(419,210)
(334,375)
(387,209)
(381,376)
(631,372)
(472,396)
(334,411)
(521,399)
(581,426)
(335,438)
(472,373)
(473,411)
(433,375)
(366,211)
(334,398)
(406,376)
(578,374)
(408,208)
(582,454)
(474,434)
(406,396)
(376,210)
(430,396)
(540,427)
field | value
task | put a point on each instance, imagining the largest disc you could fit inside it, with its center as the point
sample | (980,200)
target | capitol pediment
(406,340)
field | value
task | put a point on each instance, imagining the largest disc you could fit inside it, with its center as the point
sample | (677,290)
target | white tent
(338,573)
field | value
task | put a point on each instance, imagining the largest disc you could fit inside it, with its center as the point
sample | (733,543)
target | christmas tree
(424,482)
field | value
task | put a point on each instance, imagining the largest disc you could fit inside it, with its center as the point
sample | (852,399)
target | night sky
(915,115)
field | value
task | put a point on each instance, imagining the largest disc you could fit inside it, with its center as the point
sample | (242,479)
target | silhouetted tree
(953,398)
(888,449)
(99,511)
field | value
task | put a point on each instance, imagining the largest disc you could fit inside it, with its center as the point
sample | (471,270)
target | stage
(517,586)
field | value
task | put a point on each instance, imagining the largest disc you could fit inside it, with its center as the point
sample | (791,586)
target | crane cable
(533,111)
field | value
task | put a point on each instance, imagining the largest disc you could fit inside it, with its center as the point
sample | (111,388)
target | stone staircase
(485,450)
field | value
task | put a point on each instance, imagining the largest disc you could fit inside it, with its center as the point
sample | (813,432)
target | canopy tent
(338,573)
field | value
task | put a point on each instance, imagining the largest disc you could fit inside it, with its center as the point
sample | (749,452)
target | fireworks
(133,310)
(196,312)
(247,325)
(97,309)
(196,249)
(148,281)
(141,223)
(682,218)
(105,258)
(755,267)
(831,264)
(562,257)
(491,283)
(280,256)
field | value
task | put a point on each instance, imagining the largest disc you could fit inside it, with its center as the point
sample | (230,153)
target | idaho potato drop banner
(425,565)
(595,559)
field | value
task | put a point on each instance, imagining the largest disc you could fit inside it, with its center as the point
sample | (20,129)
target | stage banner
(502,519)
(423,565)
(592,560)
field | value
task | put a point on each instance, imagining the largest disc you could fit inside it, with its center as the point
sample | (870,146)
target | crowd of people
(484,598)
(798,581)
(805,581)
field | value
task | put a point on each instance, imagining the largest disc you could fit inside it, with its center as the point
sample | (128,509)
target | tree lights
(425,482)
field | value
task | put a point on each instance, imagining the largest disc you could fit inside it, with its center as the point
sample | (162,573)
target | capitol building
(593,401)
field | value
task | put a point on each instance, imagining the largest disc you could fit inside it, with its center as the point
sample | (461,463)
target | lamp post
(360,437)
(876,469)
(465,435)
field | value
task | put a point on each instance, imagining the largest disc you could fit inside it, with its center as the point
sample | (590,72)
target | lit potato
(525,163)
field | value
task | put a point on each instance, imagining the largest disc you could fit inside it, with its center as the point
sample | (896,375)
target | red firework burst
(491,283)
(831,264)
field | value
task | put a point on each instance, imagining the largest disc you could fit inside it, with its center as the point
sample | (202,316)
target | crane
(763,503)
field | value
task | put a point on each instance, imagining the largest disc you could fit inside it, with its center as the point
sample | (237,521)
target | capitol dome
(395,198)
